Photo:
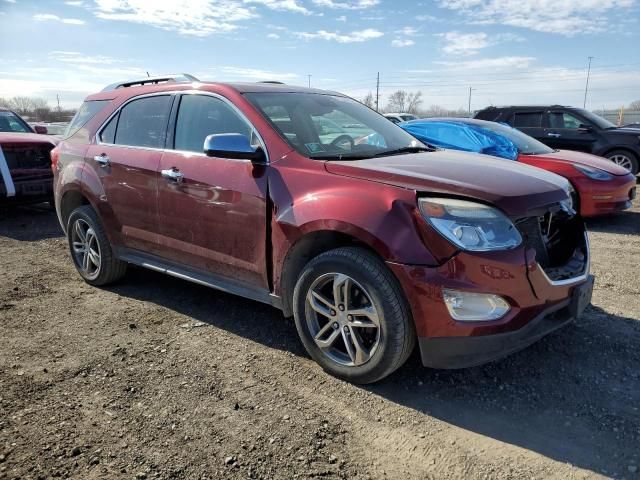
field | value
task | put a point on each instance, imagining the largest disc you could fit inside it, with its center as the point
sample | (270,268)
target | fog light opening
(474,307)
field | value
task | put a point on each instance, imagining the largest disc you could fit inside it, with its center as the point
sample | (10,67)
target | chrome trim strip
(6,175)
(174,92)
(578,279)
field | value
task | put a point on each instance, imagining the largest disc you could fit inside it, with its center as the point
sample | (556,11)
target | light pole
(586,87)
(309,80)
(471,89)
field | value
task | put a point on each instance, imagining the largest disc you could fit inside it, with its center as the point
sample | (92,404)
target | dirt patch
(159,378)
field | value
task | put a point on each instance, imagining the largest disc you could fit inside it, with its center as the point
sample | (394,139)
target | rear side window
(143,122)
(86,112)
(527,119)
(108,134)
(202,115)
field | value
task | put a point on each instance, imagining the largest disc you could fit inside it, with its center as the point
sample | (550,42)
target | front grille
(27,160)
(558,237)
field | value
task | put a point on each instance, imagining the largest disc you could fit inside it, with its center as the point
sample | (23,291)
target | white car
(400,117)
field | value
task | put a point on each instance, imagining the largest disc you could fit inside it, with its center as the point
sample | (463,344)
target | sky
(506,51)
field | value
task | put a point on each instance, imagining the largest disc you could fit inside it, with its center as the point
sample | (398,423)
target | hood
(582,158)
(25,138)
(515,188)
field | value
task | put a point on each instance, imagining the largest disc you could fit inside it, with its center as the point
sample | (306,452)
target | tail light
(55,156)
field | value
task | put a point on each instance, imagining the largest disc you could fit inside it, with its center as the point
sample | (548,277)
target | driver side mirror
(41,129)
(585,128)
(232,145)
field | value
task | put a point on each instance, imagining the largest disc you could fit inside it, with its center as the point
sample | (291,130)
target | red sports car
(602,187)
(25,161)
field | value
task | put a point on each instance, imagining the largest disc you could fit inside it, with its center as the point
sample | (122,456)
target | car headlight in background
(469,225)
(593,173)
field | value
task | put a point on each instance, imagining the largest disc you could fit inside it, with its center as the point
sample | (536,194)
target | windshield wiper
(400,151)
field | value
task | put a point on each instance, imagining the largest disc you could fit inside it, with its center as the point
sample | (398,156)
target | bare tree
(4,103)
(397,101)
(414,100)
(22,105)
(635,105)
(369,101)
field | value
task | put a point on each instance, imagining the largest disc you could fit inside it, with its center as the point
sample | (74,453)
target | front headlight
(469,225)
(594,173)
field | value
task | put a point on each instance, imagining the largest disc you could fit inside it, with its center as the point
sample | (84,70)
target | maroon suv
(311,202)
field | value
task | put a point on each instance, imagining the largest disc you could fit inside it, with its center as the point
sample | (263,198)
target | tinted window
(202,115)
(564,120)
(10,122)
(143,122)
(108,134)
(527,119)
(86,112)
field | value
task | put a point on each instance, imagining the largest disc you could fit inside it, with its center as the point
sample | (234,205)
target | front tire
(625,159)
(352,317)
(90,248)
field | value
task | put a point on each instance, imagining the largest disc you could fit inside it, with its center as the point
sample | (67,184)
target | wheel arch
(71,200)
(307,247)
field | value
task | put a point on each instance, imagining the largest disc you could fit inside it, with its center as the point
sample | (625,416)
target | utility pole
(309,80)
(471,89)
(58,99)
(378,93)
(586,87)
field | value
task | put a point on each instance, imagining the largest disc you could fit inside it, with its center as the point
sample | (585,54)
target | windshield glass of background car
(597,120)
(526,144)
(10,122)
(330,126)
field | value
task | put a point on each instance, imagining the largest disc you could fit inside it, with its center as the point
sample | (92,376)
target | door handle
(173,174)
(103,160)
(554,135)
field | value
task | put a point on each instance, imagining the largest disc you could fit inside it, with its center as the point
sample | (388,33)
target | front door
(212,211)
(529,122)
(569,132)
(126,159)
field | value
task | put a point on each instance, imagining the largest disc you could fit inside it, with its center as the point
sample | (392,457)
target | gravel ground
(159,378)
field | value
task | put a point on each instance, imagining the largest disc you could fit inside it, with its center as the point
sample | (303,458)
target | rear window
(527,119)
(143,122)
(86,112)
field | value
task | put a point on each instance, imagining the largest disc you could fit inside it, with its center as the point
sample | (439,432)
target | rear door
(126,159)
(529,122)
(567,131)
(213,215)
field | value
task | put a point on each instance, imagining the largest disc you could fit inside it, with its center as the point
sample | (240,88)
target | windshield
(331,127)
(10,122)
(526,144)
(597,120)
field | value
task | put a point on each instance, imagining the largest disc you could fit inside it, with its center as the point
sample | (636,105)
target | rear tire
(352,317)
(90,248)
(625,159)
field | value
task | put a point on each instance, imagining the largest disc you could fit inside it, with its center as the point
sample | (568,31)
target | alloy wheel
(622,160)
(343,321)
(86,248)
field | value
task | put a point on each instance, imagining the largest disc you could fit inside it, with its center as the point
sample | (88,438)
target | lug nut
(333,313)
(341,308)
(350,318)
(335,325)
(346,329)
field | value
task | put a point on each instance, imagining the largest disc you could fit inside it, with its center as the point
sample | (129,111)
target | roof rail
(272,82)
(173,78)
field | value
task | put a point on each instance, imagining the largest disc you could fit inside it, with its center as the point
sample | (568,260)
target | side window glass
(143,122)
(203,115)
(527,120)
(108,134)
(564,120)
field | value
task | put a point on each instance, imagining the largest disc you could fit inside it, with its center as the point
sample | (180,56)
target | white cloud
(489,63)
(342,18)
(347,5)
(564,17)
(408,31)
(282,5)
(77,57)
(10,1)
(399,43)
(256,74)
(351,37)
(75,3)
(45,17)
(457,43)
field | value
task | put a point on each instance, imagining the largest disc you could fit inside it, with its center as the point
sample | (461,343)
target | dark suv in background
(570,128)
(371,240)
